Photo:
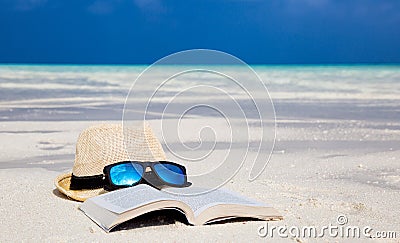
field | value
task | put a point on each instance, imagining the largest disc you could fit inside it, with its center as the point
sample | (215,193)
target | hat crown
(106,144)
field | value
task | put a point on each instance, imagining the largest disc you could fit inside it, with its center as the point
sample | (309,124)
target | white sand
(310,182)
(337,152)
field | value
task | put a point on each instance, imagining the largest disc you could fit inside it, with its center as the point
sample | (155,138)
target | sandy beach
(337,152)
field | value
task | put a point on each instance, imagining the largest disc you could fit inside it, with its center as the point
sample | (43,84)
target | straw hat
(106,144)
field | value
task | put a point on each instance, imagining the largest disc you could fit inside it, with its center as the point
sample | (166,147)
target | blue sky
(142,31)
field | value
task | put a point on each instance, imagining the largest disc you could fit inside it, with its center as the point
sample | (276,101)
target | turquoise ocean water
(69,89)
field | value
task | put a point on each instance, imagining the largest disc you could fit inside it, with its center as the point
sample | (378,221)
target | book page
(198,203)
(126,199)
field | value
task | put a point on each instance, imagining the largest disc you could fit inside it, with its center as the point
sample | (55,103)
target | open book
(110,209)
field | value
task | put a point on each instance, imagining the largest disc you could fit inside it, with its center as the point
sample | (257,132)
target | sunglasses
(157,174)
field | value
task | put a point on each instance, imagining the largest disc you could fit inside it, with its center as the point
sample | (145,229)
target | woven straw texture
(106,144)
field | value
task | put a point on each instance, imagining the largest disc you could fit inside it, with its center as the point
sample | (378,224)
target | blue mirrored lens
(126,174)
(170,173)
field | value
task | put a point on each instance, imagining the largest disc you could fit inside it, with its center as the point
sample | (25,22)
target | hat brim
(62,182)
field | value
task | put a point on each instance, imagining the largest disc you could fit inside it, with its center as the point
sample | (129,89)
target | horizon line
(147,64)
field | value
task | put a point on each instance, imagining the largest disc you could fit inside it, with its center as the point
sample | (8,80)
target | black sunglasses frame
(148,177)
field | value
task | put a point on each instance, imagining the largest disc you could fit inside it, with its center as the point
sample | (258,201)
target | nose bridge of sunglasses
(148,169)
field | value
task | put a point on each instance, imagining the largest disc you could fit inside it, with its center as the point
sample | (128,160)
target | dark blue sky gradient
(142,31)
